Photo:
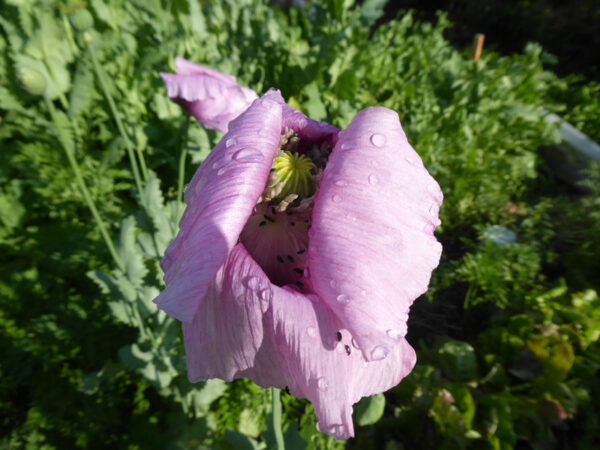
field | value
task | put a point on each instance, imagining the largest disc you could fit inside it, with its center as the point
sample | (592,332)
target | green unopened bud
(81,20)
(31,81)
(87,38)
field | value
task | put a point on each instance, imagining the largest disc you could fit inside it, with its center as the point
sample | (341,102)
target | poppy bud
(81,20)
(31,81)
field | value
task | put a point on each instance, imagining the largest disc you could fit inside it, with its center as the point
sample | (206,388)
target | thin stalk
(276,399)
(86,195)
(117,118)
(181,170)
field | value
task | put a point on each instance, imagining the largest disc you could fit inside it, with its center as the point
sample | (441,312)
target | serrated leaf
(314,106)
(369,410)
(198,23)
(134,357)
(82,91)
(370,11)
(130,253)
(8,101)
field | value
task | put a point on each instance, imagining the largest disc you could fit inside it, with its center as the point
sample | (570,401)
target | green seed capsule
(31,81)
(81,20)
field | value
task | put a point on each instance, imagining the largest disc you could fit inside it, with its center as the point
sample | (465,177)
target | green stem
(86,195)
(117,117)
(276,399)
(182,158)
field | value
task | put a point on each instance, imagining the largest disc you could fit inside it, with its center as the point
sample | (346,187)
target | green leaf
(458,361)
(314,107)
(238,441)
(369,410)
(82,91)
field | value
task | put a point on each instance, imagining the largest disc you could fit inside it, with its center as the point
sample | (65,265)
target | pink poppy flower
(212,97)
(299,254)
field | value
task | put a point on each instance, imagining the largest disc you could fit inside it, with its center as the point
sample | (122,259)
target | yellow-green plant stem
(81,183)
(117,118)
(181,169)
(276,413)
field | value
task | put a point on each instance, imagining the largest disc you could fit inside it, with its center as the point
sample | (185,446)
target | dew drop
(265,294)
(336,431)
(333,283)
(379,353)
(433,209)
(347,146)
(230,142)
(311,331)
(411,160)
(373,180)
(355,345)
(321,124)
(251,282)
(341,183)
(216,164)
(374,163)
(397,334)
(322,384)
(263,133)
(336,198)
(363,293)
(247,155)
(378,140)
(221,171)
(343,298)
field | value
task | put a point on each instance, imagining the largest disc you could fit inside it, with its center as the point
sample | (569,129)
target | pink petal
(372,248)
(213,98)
(332,374)
(227,331)
(220,198)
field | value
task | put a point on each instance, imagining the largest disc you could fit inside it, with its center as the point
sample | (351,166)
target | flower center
(276,235)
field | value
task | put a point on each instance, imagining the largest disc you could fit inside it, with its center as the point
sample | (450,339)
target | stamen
(299,252)
(262,223)
(270,219)
(298,271)
(290,259)
(339,336)
(279,258)
(348,351)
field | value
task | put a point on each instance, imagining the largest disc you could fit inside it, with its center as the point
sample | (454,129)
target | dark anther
(289,213)
(279,258)
(287,390)
(299,284)
(308,227)
(339,336)
(298,271)
(293,224)
(263,223)
(299,252)
(273,211)
(348,351)
(290,259)
(269,218)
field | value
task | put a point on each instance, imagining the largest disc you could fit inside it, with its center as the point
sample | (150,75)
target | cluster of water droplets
(264,294)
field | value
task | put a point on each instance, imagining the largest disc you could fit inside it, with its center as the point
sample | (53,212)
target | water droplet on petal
(251,282)
(336,198)
(321,124)
(263,133)
(336,431)
(265,294)
(341,183)
(434,209)
(216,164)
(347,146)
(221,171)
(411,160)
(379,353)
(373,180)
(355,345)
(378,140)
(322,384)
(343,298)
(247,155)
(397,334)
(363,293)
(333,283)
(311,331)
(230,142)
(374,163)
